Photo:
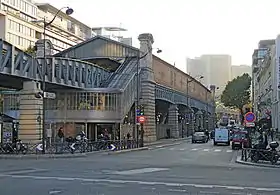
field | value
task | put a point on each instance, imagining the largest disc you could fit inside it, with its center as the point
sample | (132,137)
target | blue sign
(250,117)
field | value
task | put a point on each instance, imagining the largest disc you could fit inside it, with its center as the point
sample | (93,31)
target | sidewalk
(259,164)
(161,143)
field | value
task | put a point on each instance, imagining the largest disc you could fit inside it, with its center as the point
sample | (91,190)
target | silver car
(199,137)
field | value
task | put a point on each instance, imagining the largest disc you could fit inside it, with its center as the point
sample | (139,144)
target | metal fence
(66,147)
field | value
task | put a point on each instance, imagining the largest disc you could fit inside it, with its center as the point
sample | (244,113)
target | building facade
(211,67)
(264,81)
(113,33)
(240,70)
(18,28)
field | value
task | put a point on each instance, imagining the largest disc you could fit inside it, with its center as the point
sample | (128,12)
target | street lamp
(188,82)
(68,11)
(138,96)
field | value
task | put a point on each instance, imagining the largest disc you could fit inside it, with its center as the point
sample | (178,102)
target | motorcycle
(260,152)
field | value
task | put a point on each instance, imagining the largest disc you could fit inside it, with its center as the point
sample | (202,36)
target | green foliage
(31,50)
(237,92)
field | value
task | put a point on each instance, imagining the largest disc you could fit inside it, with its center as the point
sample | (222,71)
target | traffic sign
(112,147)
(249,124)
(49,95)
(250,117)
(39,147)
(141,119)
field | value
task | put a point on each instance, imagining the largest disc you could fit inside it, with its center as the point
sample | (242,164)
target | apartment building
(216,70)
(18,26)
(265,81)
(113,33)
(239,70)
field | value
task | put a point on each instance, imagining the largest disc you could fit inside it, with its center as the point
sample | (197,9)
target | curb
(126,151)
(239,161)
(53,156)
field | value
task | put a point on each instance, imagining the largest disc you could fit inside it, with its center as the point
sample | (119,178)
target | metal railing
(66,147)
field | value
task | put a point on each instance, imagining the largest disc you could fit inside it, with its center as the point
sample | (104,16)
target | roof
(127,46)
(91,40)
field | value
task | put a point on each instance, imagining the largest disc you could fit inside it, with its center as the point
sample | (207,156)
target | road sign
(250,117)
(141,119)
(39,147)
(249,124)
(72,146)
(49,95)
(112,147)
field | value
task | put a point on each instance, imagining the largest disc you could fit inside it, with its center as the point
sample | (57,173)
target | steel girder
(67,72)
(175,97)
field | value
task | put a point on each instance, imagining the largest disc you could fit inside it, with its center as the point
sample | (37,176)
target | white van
(222,136)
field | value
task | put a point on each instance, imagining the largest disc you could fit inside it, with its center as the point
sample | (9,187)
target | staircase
(119,70)
(125,79)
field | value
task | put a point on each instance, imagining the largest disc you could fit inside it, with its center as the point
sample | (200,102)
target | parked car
(199,137)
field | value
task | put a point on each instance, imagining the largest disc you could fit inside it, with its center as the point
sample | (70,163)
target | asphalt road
(196,169)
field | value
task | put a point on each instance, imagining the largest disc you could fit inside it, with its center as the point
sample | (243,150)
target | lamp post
(138,95)
(188,82)
(68,11)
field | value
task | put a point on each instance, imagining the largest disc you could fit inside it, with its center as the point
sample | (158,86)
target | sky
(186,28)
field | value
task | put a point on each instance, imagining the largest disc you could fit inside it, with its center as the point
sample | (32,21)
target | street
(184,168)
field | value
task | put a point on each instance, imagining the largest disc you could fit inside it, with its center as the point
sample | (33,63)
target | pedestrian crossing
(214,149)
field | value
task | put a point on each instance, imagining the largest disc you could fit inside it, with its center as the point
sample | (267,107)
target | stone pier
(173,120)
(31,109)
(147,86)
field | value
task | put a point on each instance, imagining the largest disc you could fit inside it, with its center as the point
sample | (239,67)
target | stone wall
(170,76)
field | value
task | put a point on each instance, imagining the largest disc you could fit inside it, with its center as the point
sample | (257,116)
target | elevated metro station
(96,84)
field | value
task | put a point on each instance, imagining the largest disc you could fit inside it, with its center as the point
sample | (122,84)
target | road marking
(182,149)
(235,188)
(206,150)
(229,150)
(208,192)
(54,192)
(217,150)
(25,171)
(176,190)
(139,171)
(264,189)
(194,149)
(171,148)
(159,146)
(203,186)
(135,182)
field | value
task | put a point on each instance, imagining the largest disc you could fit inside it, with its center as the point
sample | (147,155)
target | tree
(31,50)
(237,92)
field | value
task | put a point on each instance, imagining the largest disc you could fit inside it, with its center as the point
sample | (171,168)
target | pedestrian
(60,134)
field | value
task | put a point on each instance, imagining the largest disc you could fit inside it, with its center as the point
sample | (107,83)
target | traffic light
(138,111)
(141,110)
